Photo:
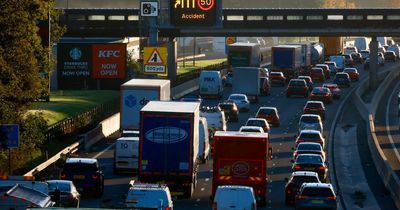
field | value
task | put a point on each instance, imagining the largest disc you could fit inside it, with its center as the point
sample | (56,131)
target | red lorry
(241,159)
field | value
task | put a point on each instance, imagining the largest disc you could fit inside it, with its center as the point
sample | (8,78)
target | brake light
(312,94)
(300,140)
(289,192)
(63,176)
(214,206)
(295,154)
(95,176)
(296,167)
(321,168)
(332,198)
(167,208)
(306,109)
(302,197)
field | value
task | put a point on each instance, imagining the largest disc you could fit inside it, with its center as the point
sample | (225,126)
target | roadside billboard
(109,60)
(74,60)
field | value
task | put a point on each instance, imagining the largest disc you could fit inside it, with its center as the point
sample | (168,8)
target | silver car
(241,101)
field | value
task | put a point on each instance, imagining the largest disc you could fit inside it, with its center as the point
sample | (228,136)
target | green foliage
(22,59)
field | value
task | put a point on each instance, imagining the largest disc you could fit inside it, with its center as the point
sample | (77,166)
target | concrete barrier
(368,111)
(104,129)
(185,88)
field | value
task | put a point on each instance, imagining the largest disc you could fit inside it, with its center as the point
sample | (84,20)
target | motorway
(282,140)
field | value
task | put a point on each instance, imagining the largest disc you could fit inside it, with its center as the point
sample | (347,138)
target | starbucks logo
(75,53)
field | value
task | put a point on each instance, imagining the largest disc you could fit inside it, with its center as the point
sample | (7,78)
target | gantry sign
(193,12)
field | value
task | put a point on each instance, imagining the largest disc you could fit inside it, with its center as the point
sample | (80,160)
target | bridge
(239,22)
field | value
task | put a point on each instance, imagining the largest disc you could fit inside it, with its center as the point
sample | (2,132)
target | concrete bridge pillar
(373,64)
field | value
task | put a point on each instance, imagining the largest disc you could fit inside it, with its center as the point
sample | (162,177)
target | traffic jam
(165,144)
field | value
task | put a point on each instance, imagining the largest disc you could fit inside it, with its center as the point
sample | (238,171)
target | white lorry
(134,96)
(246,80)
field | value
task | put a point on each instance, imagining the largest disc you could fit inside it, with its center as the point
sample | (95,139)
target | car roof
(81,160)
(268,107)
(319,185)
(58,181)
(309,131)
(255,118)
(321,64)
(309,115)
(314,102)
(316,68)
(304,173)
(234,187)
(301,77)
(250,127)
(329,84)
(237,94)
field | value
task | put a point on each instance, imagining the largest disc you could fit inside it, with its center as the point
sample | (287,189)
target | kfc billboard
(108,60)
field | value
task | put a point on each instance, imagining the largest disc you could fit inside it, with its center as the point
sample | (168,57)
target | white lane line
(280,144)
(102,152)
(202,189)
(273,164)
(396,151)
(207,179)
(198,200)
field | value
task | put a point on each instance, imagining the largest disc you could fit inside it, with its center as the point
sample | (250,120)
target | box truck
(287,59)
(240,158)
(168,145)
(135,94)
(246,80)
(332,45)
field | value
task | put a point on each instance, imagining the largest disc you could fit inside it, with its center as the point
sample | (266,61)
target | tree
(22,59)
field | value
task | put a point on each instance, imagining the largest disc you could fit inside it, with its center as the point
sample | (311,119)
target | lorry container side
(246,80)
(168,148)
(332,45)
(244,55)
(241,159)
(287,59)
(135,94)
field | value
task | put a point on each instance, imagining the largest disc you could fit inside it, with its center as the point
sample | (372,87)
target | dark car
(309,148)
(348,61)
(364,54)
(265,86)
(277,78)
(357,57)
(317,74)
(68,195)
(297,87)
(316,196)
(231,111)
(321,94)
(332,66)
(315,107)
(294,183)
(311,162)
(85,173)
(270,114)
(353,73)
(327,71)
(308,80)
(342,79)
(335,90)
(390,56)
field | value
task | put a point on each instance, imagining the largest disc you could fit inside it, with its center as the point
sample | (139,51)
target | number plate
(79,176)
(317,201)
(309,168)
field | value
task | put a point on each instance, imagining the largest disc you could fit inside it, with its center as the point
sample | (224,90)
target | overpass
(239,22)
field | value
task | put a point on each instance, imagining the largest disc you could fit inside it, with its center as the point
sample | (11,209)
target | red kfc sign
(109,60)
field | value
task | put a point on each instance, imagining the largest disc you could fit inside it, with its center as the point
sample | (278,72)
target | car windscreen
(317,192)
(309,119)
(308,159)
(304,179)
(309,147)
(80,167)
(309,136)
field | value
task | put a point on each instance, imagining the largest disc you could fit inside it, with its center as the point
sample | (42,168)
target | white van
(215,119)
(126,154)
(339,60)
(210,84)
(149,196)
(234,198)
(204,144)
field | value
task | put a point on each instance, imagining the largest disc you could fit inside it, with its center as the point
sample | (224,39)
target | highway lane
(282,140)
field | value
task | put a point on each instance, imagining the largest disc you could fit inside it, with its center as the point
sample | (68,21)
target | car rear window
(309,147)
(308,159)
(80,167)
(225,106)
(317,70)
(310,136)
(341,75)
(307,79)
(255,123)
(319,90)
(317,192)
(297,83)
(304,179)
(275,74)
(61,187)
(314,105)
(350,70)
(267,111)
(236,97)
(309,119)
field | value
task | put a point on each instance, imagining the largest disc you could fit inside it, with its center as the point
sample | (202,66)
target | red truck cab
(241,159)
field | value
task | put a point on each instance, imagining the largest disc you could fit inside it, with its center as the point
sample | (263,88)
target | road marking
(387,125)
(273,164)
(202,189)
(207,179)
(102,152)
(277,150)
(198,200)
(280,144)
(270,190)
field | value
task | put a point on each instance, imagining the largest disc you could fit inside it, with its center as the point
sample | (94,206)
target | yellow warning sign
(155,56)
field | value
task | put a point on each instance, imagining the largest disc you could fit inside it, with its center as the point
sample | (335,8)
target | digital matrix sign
(193,12)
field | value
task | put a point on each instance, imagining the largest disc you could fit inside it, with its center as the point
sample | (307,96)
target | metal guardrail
(244,21)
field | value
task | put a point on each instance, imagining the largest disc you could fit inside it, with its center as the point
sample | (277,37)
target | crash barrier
(368,111)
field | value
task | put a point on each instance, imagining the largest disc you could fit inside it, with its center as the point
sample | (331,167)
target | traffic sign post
(229,40)
(155,60)
(9,138)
